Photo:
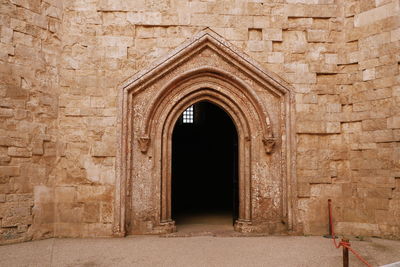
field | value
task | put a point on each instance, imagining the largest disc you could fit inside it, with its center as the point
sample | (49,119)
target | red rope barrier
(341,243)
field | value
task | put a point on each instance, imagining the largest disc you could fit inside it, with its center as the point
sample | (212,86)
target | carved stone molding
(260,103)
(144,143)
(269,144)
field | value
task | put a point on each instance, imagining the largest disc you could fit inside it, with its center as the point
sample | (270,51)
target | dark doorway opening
(204,166)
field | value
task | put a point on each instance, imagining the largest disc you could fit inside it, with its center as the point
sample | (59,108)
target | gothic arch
(201,78)
(167,88)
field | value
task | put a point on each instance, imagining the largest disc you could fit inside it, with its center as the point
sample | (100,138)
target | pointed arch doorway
(204,175)
(261,105)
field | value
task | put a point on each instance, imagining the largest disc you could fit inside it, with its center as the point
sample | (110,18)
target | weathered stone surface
(376,14)
(61,63)
(9,171)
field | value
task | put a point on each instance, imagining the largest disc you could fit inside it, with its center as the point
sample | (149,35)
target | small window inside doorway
(188,115)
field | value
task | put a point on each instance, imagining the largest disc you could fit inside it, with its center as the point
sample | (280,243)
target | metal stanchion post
(345,253)
(329,235)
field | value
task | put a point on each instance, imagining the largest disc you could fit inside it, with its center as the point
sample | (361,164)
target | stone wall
(30,47)
(356,163)
(371,128)
(342,57)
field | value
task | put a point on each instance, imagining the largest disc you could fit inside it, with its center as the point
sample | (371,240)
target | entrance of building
(204,167)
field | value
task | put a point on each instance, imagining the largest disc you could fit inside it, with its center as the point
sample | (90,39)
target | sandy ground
(194,251)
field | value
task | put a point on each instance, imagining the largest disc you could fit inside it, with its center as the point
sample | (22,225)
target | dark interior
(204,164)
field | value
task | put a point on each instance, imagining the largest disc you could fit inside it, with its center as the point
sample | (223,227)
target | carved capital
(144,143)
(269,144)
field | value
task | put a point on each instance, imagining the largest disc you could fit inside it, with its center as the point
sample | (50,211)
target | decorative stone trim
(269,144)
(144,143)
(201,81)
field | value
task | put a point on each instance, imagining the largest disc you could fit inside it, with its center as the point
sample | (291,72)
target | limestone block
(91,212)
(33,18)
(20,114)
(33,5)
(318,11)
(255,34)
(114,5)
(377,203)
(145,32)
(6,50)
(116,52)
(379,13)
(65,194)
(18,25)
(275,57)
(255,46)
(324,68)
(296,67)
(101,122)
(393,122)
(333,127)
(385,82)
(24,39)
(302,1)
(310,127)
(116,41)
(309,99)
(299,23)
(87,193)
(272,34)
(19,152)
(303,189)
(395,35)
(236,34)
(351,8)
(98,229)
(383,136)
(43,194)
(295,41)
(261,22)
(98,102)
(6,113)
(375,124)
(331,58)
(387,70)
(369,63)
(353,57)
(374,41)
(368,74)
(14,139)
(114,18)
(317,35)
(333,107)
(17,219)
(69,213)
(4,159)
(6,34)
(103,149)
(54,12)
(37,147)
(304,78)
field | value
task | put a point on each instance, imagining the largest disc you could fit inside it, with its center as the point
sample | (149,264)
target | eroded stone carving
(206,68)
(269,144)
(144,143)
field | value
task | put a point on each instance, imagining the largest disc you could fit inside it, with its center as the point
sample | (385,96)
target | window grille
(188,115)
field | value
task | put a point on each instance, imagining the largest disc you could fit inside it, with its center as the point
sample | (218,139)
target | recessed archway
(260,105)
(204,174)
